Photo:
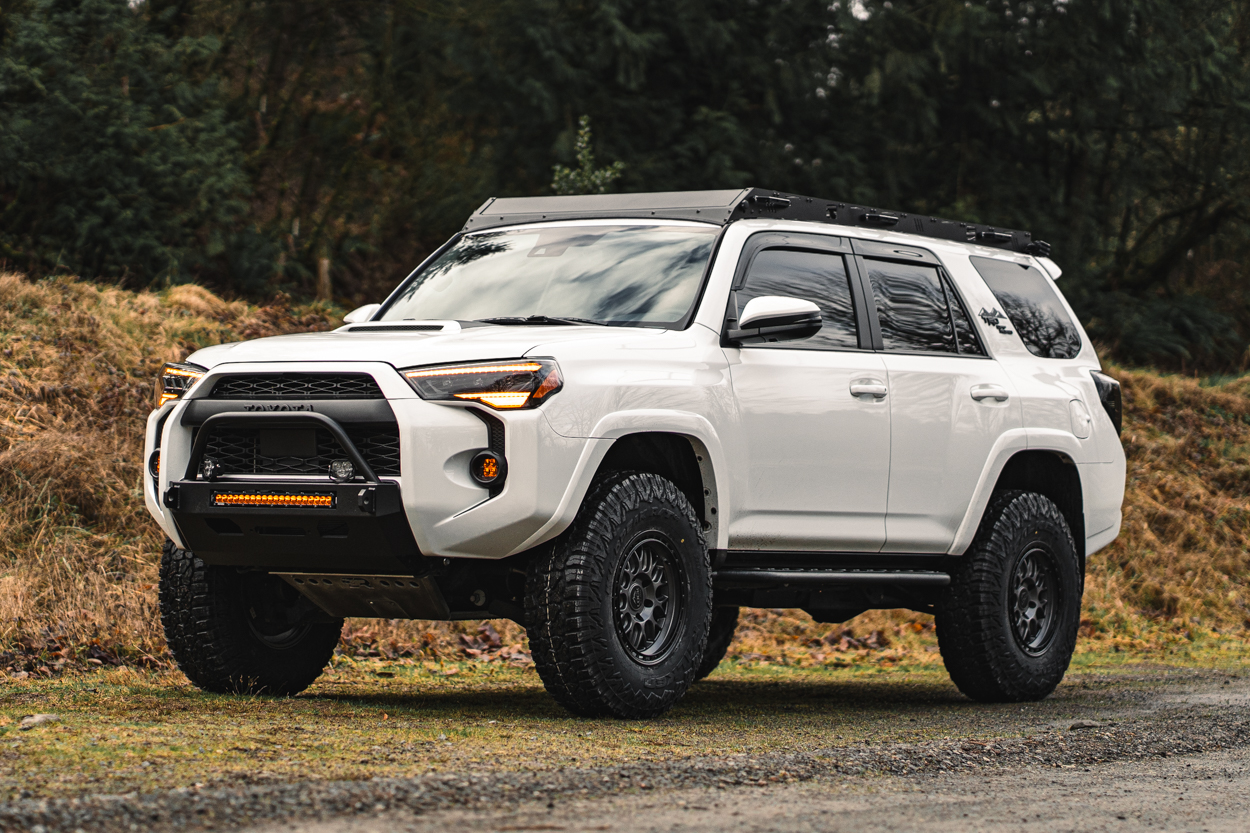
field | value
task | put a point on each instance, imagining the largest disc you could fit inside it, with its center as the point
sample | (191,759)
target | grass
(133,729)
(78,553)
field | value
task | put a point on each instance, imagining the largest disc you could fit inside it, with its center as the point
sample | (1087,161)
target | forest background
(238,143)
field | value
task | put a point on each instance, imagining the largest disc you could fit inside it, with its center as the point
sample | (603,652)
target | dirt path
(1167,749)
(1206,792)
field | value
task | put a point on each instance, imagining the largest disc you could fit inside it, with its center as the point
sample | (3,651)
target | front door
(814,421)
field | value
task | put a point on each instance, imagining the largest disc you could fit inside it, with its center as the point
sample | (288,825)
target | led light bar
(465,370)
(310,501)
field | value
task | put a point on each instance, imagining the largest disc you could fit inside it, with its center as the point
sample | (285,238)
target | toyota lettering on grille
(277,406)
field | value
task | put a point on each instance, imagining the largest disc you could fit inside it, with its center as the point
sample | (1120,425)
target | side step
(763,579)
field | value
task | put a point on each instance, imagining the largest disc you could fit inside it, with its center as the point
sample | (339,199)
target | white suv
(616,419)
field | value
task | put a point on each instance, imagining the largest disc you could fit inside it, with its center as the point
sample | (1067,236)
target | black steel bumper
(362,530)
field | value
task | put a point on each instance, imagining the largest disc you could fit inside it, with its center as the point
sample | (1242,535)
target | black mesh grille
(297,386)
(236,449)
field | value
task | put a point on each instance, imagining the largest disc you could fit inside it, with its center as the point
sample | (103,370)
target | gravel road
(1204,792)
(1148,747)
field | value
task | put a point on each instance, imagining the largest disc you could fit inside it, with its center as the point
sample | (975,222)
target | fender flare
(1007,446)
(610,428)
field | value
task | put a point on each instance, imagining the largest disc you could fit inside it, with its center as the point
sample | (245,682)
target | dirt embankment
(78,554)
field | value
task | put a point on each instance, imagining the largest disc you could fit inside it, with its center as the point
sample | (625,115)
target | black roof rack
(723,207)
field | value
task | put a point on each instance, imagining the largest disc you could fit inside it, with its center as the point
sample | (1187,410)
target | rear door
(814,438)
(949,401)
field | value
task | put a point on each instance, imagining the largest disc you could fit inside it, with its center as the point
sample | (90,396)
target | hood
(405,349)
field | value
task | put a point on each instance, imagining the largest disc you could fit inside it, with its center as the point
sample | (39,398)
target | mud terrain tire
(1008,623)
(241,633)
(618,609)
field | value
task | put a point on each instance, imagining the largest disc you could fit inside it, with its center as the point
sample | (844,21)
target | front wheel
(617,610)
(241,633)
(1007,625)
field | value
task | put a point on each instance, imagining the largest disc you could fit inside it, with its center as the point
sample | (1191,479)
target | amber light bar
(320,501)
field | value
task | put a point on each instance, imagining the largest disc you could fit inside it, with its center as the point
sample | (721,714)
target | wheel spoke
(643,599)
(1033,586)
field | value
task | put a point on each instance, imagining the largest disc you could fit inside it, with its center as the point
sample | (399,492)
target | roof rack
(723,207)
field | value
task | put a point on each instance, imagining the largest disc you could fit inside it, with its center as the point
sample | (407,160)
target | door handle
(980,392)
(866,388)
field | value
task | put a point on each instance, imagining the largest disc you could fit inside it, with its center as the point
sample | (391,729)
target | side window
(912,308)
(812,276)
(965,333)
(1033,306)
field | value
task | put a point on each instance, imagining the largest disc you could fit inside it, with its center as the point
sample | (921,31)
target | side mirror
(776,318)
(361,313)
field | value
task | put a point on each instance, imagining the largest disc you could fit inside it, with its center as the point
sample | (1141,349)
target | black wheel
(241,633)
(719,635)
(617,610)
(1008,622)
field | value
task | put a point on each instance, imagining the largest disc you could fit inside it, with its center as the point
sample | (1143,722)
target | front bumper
(448,514)
(363,530)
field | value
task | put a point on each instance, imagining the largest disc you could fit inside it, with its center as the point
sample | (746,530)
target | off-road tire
(218,640)
(994,650)
(581,648)
(719,635)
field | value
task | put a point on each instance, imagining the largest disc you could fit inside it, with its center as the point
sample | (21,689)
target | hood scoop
(407,327)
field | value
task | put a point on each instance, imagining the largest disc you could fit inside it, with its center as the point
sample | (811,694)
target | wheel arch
(656,441)
(681,458)
(1055,476)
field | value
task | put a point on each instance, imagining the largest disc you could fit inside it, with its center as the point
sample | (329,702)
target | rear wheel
(617,610)
(719,635)
(1008,623)
(241,633)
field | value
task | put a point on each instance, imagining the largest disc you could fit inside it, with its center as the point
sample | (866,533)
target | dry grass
(78,553)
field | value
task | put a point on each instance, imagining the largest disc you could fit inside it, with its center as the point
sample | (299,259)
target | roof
(723,207)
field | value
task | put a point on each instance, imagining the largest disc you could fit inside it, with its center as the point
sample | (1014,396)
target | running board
(762,579)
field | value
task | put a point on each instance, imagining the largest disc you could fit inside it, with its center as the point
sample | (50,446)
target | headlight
(175,380)
(504,386)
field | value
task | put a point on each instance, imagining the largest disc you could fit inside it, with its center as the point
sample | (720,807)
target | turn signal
(504,386)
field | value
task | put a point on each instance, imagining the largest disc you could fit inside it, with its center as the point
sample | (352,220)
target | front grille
(237,450)
(296,386)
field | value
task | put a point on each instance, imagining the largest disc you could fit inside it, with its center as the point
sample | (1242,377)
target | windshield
(631,275)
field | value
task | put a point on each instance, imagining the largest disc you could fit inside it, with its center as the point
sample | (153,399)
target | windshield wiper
(538,319)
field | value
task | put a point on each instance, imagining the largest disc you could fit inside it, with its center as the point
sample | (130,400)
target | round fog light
(488,468)
(342,470)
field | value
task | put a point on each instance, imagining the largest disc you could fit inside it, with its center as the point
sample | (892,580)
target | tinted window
(1033,306)
(643,275)
(965,333)
(911,305)
(815,277)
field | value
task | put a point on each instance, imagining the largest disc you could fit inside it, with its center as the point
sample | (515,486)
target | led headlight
(175,380)
(504,386)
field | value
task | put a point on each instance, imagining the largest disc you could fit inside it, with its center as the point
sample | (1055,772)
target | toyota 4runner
(617,419)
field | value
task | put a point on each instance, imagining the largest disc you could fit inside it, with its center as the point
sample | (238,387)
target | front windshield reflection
(636,275)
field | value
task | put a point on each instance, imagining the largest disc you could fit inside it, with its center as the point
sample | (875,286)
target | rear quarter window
(1033,306)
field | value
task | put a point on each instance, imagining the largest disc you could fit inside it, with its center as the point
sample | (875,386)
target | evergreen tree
(117,160)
